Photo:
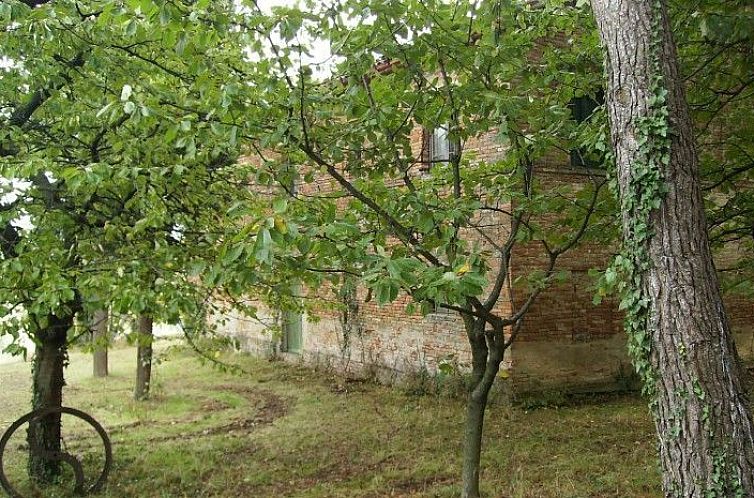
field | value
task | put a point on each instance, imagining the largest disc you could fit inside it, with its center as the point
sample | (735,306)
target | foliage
(371,205)
(124,118)
(124,123)
(401,66)
(133,115)
(120,119)
(716,56)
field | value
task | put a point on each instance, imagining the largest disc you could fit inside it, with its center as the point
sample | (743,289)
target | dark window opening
(582,109)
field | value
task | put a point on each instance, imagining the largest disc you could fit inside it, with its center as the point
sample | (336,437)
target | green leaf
(280,205)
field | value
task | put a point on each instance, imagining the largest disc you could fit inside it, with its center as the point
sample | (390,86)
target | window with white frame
(441,147)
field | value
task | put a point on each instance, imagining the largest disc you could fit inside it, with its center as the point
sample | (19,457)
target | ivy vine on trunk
(50,358)
(679,334)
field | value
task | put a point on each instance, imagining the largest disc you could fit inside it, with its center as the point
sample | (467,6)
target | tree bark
(705,431)
(486,356)
(472,447)
(144,358)
(100,340)
(47,392)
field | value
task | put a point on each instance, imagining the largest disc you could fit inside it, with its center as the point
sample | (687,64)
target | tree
(125,119)
(678,331)
(124,142)
(100,342)
(143,357)
(382,221)
(716,62)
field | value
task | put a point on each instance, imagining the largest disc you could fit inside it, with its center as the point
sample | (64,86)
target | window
(293,326)
(583,107)
(438,146)
(293,337)
(581,110)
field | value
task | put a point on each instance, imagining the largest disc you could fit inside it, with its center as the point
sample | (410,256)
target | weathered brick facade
(566,343)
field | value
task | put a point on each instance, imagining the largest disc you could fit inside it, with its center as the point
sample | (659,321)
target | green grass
(283,430)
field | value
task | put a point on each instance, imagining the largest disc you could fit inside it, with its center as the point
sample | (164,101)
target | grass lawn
(283,430)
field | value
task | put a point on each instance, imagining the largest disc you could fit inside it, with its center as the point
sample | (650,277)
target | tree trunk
(472,446)
(47,392)
(144,358)
(100,340)
(486,358)
(706,437)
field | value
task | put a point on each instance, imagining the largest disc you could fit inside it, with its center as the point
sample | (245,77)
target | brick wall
(566,342)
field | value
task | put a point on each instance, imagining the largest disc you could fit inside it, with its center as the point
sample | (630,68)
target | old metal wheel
(63,456)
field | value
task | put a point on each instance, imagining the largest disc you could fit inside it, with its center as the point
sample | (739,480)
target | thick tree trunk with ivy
(144,357)
(679,334)
(49,361)
(100,341)
(487,351)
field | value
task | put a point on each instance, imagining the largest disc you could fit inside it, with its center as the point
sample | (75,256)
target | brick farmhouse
(567,343)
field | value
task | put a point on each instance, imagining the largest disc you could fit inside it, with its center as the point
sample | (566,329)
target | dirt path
(264,407)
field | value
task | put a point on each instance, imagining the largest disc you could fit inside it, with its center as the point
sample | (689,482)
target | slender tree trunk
(144,358)
(706,436)
(100,340)
(472,447)
(486,358)
(47,392)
